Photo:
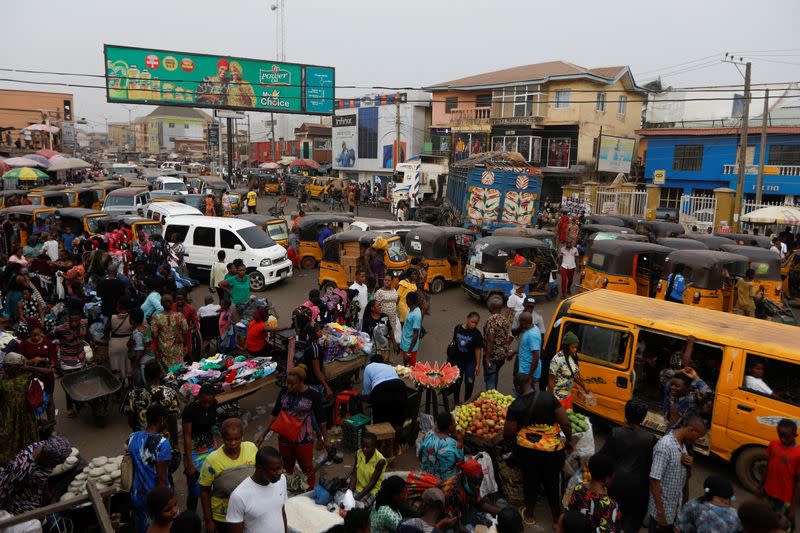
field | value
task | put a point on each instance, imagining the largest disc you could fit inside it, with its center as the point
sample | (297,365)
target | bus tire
(308,263)
(437,286)
(750,466)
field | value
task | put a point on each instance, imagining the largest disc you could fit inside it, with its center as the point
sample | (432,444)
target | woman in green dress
(18,426)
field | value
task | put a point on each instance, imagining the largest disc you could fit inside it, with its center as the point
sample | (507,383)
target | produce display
(577,421)
(403,371)
(103,471)
(486,416)
(434,377)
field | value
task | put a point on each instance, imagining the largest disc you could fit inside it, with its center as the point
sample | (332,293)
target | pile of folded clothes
(344,342)
(223,372)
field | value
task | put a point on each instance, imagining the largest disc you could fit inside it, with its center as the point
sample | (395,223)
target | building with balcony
(167,124)
(552,113)
(690,141)
(695,161)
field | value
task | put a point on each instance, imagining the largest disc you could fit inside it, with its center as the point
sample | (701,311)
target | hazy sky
(409,42)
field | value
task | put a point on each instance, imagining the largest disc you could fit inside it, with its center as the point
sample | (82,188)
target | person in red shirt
(780,482)
(42,353)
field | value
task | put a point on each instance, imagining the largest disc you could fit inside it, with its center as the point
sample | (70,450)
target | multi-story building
(690,142)
(20,109)
(552,113)
(165,125)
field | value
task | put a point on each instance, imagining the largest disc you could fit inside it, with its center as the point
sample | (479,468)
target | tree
(654,86)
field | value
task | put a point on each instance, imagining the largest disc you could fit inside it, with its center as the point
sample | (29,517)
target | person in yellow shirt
(220,474)
(252,201)
(407,285)
(367,471)
(745,293)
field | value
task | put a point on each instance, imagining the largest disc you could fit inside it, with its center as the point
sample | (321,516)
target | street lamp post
(279,7)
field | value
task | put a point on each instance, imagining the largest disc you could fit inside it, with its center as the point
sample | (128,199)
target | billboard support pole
(762,148)
(272,137)
(597,156)
(230,151)
(397,126)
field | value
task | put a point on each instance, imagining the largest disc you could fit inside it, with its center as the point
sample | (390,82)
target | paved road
(447,309)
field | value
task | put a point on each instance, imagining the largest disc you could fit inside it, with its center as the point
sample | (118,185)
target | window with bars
(450,103)
(368,133)
(600,105)
(670,197)
(688,157)
(622,105)
(784,154)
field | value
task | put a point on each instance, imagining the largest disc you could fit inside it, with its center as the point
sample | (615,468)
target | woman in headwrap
(24,482)
(463,492)
(17,421)
(240,93)
(564,371)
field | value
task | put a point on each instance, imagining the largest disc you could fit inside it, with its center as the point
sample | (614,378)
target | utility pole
(272,138)
(763,148)
(230,150)
(397,126)
(742,150)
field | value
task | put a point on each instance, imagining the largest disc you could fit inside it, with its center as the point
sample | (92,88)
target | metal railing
(769,170)
(625,203)
(469,114)
(700,211)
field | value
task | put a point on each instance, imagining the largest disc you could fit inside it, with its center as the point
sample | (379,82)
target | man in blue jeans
(530,345)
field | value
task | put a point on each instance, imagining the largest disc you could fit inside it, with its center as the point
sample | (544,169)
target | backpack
(35,394)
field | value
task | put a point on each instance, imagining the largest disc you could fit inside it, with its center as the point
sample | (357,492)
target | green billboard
(162,77)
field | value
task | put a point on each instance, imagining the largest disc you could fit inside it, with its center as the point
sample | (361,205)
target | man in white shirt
(218,271)
(209,309)
(568,262)
(255,504)
(754,380)
(50,246)
(360,285)
(516,301)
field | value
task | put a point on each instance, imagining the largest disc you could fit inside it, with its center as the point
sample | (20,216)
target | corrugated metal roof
(653,132)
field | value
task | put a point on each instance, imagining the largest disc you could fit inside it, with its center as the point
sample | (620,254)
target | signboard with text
(161,77)
(615,154)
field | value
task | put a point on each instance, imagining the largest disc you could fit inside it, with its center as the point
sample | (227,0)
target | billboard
(365,137)
(161,77)
(615,154)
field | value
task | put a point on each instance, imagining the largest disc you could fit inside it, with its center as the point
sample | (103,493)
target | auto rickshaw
(549,237)
(624,266)
(485,274)
(607,220)
(135,224)
(712,242)
(10,193)
(319,187)
(444,248)
(276,228)
(101,190)
(269,183)
(655,229)
(790,272)
(589,229)
(630,221)
(681,243)
(707,274)
(310,226)
(31,215)
(137,183)
(343,254)
(767,266)
(762,241)
(85,219)
(238,197)
(48,198)
(45,188)
(213,185)
(80,196)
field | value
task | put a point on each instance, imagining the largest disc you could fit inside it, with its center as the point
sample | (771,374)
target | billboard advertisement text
(615,154)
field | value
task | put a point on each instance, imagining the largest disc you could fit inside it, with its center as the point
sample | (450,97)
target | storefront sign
(213,134)
(659,177)
(615,154)
(159,77)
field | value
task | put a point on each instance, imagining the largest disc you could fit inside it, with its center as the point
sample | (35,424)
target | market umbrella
(22,162)
(40,158)
(67,163)
(269,165)
(3,167)
(782,215)
(310,163)
(41,127)
(49,154)
(25,174)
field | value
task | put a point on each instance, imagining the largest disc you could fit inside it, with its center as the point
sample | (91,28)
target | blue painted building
(696,161)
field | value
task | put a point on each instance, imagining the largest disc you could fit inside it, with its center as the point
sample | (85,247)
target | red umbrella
(49,154)
(4,168)
(310,163)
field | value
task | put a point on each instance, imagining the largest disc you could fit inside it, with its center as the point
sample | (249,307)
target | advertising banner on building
(365,137)
(161,77)
(213,135)
(68,138)
(615,154)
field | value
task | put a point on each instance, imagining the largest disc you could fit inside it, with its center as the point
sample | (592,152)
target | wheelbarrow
(93,386)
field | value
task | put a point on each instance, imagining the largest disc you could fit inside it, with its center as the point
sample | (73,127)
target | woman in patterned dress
(170,332)
(17,422)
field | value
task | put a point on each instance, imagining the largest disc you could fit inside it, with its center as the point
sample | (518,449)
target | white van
(266,261)
(174,185)
(126,201)
(161,211)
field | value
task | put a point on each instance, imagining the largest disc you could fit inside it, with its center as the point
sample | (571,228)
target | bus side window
(770,377)
(597,342)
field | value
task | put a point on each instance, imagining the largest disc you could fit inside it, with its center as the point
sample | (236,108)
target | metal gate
(698,211)
(625,203)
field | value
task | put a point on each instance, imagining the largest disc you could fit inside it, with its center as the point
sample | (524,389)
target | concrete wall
(466,100)
(19,109)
